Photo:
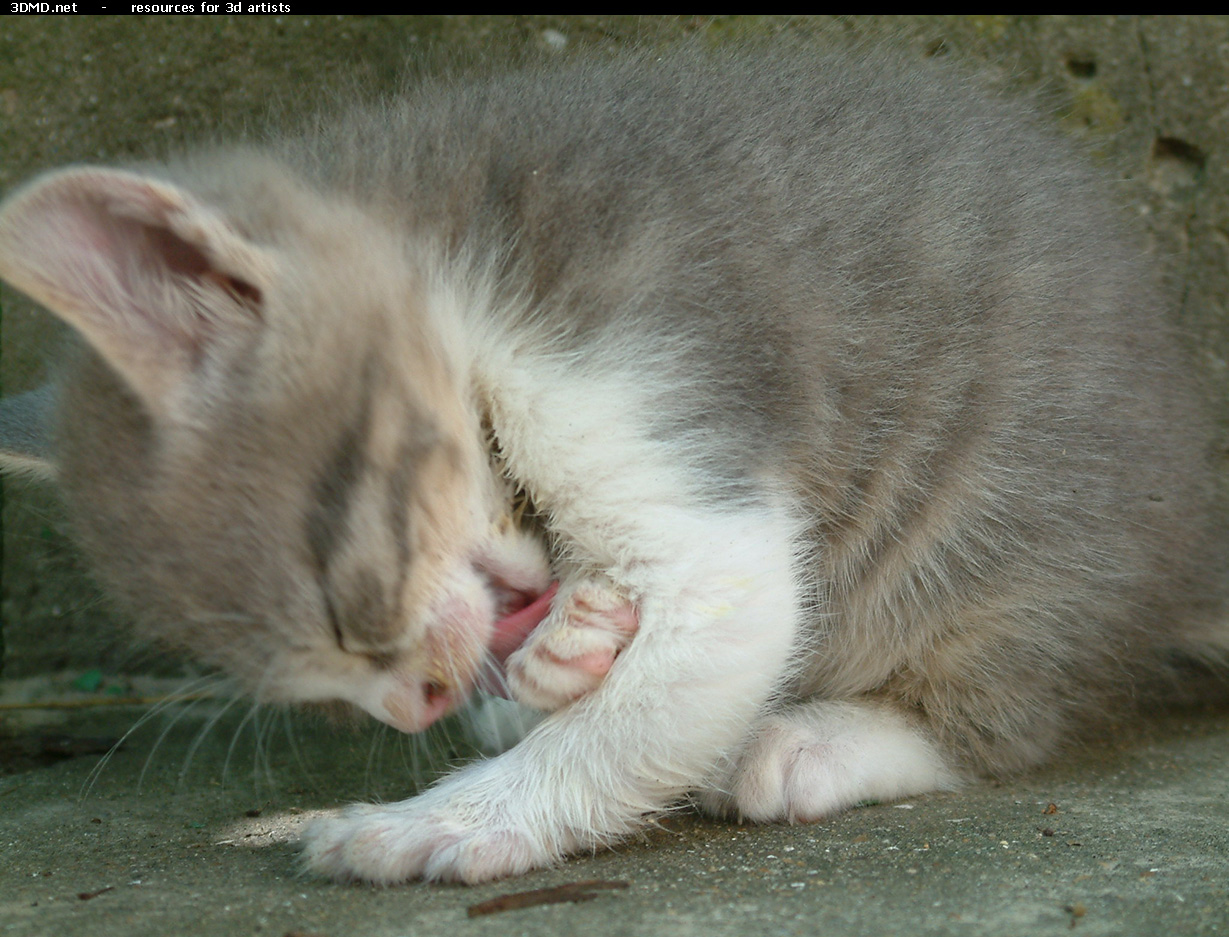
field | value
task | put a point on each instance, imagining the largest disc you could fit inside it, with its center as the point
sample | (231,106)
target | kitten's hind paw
(570,653)
(823,756)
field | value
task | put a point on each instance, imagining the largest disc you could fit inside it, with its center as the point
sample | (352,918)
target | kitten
(862,454)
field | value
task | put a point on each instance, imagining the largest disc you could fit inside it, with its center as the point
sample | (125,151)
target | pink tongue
(511,631)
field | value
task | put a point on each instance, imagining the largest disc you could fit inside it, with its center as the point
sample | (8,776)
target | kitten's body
(837,381)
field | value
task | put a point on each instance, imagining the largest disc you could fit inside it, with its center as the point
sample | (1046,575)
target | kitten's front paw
(570,653)
(428,837)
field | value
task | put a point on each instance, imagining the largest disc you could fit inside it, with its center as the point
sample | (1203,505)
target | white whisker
(190,692)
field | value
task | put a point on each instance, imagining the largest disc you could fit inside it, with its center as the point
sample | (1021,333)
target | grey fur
(25,430)
(861,282)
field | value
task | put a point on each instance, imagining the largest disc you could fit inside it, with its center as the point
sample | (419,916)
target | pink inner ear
(512,630)
(130,263)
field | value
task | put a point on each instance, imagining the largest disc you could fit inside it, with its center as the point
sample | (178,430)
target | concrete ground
(189,828)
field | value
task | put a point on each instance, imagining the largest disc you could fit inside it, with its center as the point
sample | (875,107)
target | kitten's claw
(570,653)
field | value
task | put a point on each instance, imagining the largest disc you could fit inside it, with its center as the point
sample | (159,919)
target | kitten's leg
(570,653)
(716,630)
(821,756)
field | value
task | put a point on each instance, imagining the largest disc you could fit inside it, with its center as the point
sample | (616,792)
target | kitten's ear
(150,276)
(25,423)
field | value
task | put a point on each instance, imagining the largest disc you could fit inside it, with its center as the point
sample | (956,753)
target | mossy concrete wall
(1150,95)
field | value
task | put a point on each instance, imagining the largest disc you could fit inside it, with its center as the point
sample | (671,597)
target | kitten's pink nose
(412,706)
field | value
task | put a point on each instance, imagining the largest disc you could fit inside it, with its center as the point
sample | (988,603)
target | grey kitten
(864,458)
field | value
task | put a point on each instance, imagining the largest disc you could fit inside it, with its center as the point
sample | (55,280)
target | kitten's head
(265,441)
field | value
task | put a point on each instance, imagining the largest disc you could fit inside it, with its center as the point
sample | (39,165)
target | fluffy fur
(858,440)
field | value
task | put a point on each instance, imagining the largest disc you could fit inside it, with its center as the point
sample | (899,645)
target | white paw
(786,774)
(570,653)
(461,833)
(823,757)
